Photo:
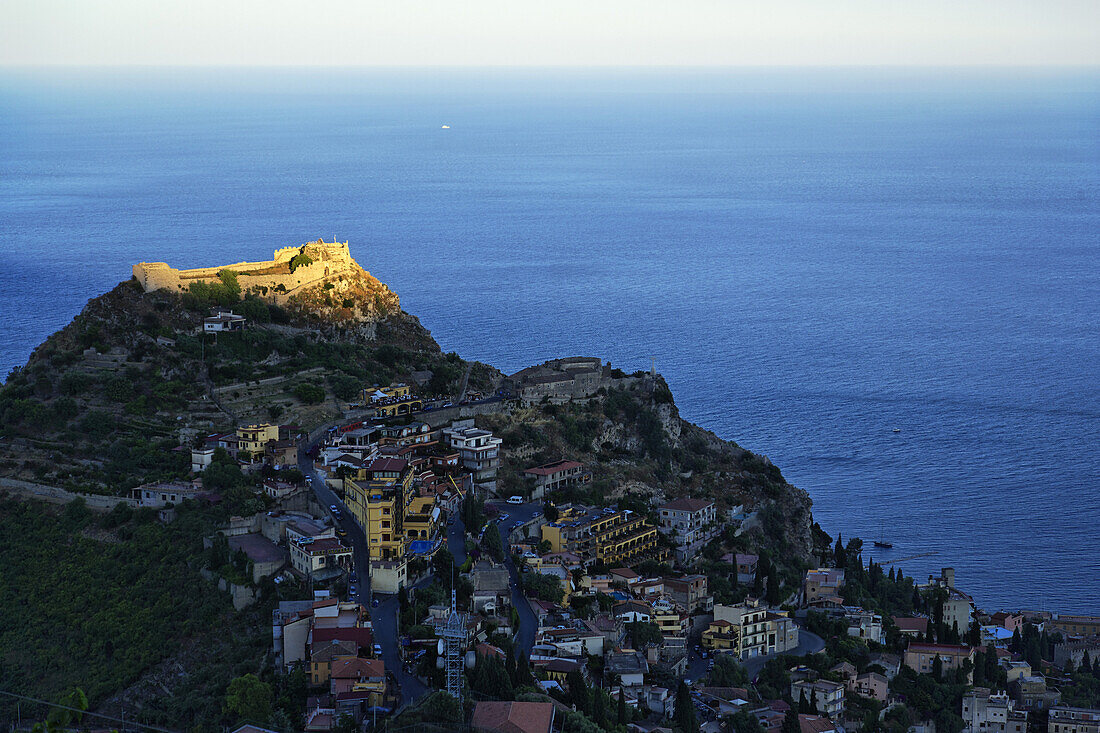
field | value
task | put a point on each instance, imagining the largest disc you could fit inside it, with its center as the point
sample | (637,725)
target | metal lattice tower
(454,640)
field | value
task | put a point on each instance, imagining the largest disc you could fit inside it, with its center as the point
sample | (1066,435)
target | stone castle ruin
(290,271)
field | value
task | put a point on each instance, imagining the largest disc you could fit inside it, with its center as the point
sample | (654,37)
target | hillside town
(437,599)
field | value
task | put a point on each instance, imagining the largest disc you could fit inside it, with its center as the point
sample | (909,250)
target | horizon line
(556,67)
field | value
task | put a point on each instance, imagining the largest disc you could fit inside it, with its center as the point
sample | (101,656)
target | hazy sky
(550,32)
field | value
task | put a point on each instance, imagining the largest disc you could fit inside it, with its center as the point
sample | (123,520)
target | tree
(622,718)
(492,542)
(683,712)
(727,672)
(840,558)
(790,721)
(745,722)
(249,699)
(345,724)
(599,712)
(63,718)
(813,702)
(803,703)
(937,668)
(772,594)
(578,690)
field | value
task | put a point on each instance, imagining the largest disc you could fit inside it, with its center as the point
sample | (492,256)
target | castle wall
(334,259)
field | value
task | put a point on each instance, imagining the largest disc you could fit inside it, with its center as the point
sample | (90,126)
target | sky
(549,33)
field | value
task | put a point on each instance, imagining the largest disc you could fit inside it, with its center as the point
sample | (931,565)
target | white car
(515,499)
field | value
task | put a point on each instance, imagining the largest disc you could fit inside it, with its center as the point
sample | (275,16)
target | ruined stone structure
(272,278)
(562,380)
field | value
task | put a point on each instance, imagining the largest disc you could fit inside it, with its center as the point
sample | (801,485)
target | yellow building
(420,518)
(253,438)
(615,538)
(721,634)
(378,499)
(392,401)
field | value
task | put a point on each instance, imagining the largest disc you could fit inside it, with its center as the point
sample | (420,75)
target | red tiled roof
(387,464)
(513,717)
(358,668)
(684,504)
(358,634)
(940,648)
(907,623)
(552,468)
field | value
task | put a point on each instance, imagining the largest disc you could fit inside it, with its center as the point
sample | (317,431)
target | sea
(885,280)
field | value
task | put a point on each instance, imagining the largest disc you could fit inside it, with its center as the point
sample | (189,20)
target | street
(524,639)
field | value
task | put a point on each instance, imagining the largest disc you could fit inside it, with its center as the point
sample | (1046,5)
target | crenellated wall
(329,260)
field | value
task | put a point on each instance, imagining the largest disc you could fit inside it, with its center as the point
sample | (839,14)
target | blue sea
(812,258)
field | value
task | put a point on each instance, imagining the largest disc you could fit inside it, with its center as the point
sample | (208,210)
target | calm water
(812,258)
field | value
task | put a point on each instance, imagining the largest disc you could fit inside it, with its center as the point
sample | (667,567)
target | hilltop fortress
(292,270)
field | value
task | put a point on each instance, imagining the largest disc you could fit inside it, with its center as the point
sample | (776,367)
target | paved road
(384,616)
(808,643)
(524,638)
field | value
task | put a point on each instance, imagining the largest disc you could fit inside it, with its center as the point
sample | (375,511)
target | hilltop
(102,404)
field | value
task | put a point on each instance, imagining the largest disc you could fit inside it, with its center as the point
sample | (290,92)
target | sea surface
(812,258)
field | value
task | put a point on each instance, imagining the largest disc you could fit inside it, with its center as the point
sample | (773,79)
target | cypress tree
(813,701)
(1086,664)
(839,557)
(622,719)
(803,703)
(772,595)
(599,713)
(937,668)
(683,715)
(990,663)
(790,722)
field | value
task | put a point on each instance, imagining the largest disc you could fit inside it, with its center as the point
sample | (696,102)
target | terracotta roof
(387,464)
(513,717)
(358,668)
(909,623)
(552,468)
(940,648)
(684,504)
(361,635)
(815,724)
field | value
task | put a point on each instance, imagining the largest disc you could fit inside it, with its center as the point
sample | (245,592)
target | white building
(320,559)
(478,451)
(223,321)
(830,695)
(691,522)
(991,712)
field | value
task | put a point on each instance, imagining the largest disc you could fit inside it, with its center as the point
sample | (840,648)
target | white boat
(446,127)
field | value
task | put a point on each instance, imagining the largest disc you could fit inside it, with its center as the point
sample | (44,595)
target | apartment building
(320,559)
(1066,719)
(829,695)
(612,537)
(553,476)
(478,451)
(691,523)
(920,657)
(377,497)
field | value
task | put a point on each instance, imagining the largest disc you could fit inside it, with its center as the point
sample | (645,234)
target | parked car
(377,650)
(341,532)
(515,499)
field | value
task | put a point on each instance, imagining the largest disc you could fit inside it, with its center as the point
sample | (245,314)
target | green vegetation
(544,587)
(95,613)
(300,260)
